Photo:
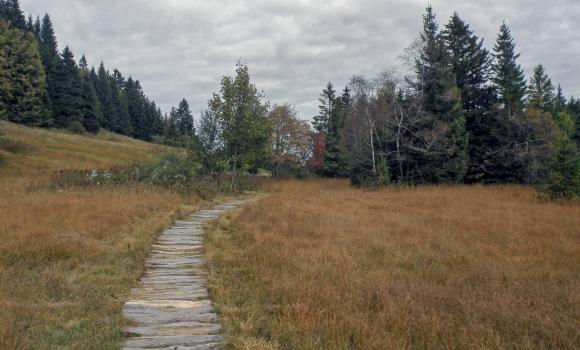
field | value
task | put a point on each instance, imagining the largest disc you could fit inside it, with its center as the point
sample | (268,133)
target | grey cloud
(182,48)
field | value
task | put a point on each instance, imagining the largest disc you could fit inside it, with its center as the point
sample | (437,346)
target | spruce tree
(470,63)
(185,120)
(322,120)
(91,111)
(68,100)
(50,58)
(541,90)
(441,100)
(564,165)
(136,107)
(105,94)
(11,12)
(22,77)
(508,76)
(560,100)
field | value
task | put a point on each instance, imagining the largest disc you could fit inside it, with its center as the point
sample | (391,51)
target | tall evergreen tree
(137,112)
(104,92)
(91,111)
(185,119)
(541,90)
(68,101)
(22,78)
(508,76)
(322,120)
(441,100)
(50,58)
(564,165)
(11,12)
(560,100)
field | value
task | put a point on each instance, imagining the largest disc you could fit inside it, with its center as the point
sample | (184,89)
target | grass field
(322,265)
(69,258)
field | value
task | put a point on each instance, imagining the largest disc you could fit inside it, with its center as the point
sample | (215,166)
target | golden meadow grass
(322,265)
(69,258)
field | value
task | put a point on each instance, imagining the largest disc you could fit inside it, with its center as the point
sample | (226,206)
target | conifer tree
(441,100)
(68,101)
(105,94)
(560,100)
(564,164)
(185,119)
(50,58)
(508,76)
(91,111)
(11,12)
(22,78)
(322,120)
(541,90)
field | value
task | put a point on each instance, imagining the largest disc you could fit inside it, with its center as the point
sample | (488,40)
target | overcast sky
(182,48)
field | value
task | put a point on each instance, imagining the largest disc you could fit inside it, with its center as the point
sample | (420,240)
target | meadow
(323,265)
(68,258)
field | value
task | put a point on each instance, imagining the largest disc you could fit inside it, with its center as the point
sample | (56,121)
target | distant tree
(209,143)
(68,99)
(560,100)
(104,92)
(541,91)
(291,146)
(22,77)
(244,121)
(91,110)
(321,121)
(184,120)
(508,76)
(564,165)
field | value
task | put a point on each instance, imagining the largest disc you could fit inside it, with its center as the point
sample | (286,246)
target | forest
(467,114)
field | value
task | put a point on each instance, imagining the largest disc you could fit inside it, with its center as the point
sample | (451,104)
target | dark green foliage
(440,96)
(508,76)
(11,12)
(184,119)
(564,165)
(68,100)
(329,123)
(91,110)
(22,78)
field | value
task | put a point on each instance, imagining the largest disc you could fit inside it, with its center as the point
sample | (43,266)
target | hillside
(69,258)
(38,152)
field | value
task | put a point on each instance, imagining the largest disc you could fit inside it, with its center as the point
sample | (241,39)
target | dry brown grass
(69,258)
(321,265)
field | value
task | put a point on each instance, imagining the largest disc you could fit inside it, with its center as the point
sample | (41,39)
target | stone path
(171,309)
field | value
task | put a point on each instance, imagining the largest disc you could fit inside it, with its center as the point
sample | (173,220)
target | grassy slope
(68,259)
(321,265)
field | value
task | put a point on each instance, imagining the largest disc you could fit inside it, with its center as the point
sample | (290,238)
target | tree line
(465,115)
(43,86)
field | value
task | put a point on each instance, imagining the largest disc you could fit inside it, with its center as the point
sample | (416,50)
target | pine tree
(441,99)
(50,59)
(91,111)
(564,164)
(327,99)
(22,78)
(11,12)
(68,101)
(470,63)
(508,76)
(185,120)
(541,90)
(136,107)
(560,100)
(105,94)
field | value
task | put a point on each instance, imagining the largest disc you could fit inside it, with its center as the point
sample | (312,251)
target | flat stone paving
(171,310)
